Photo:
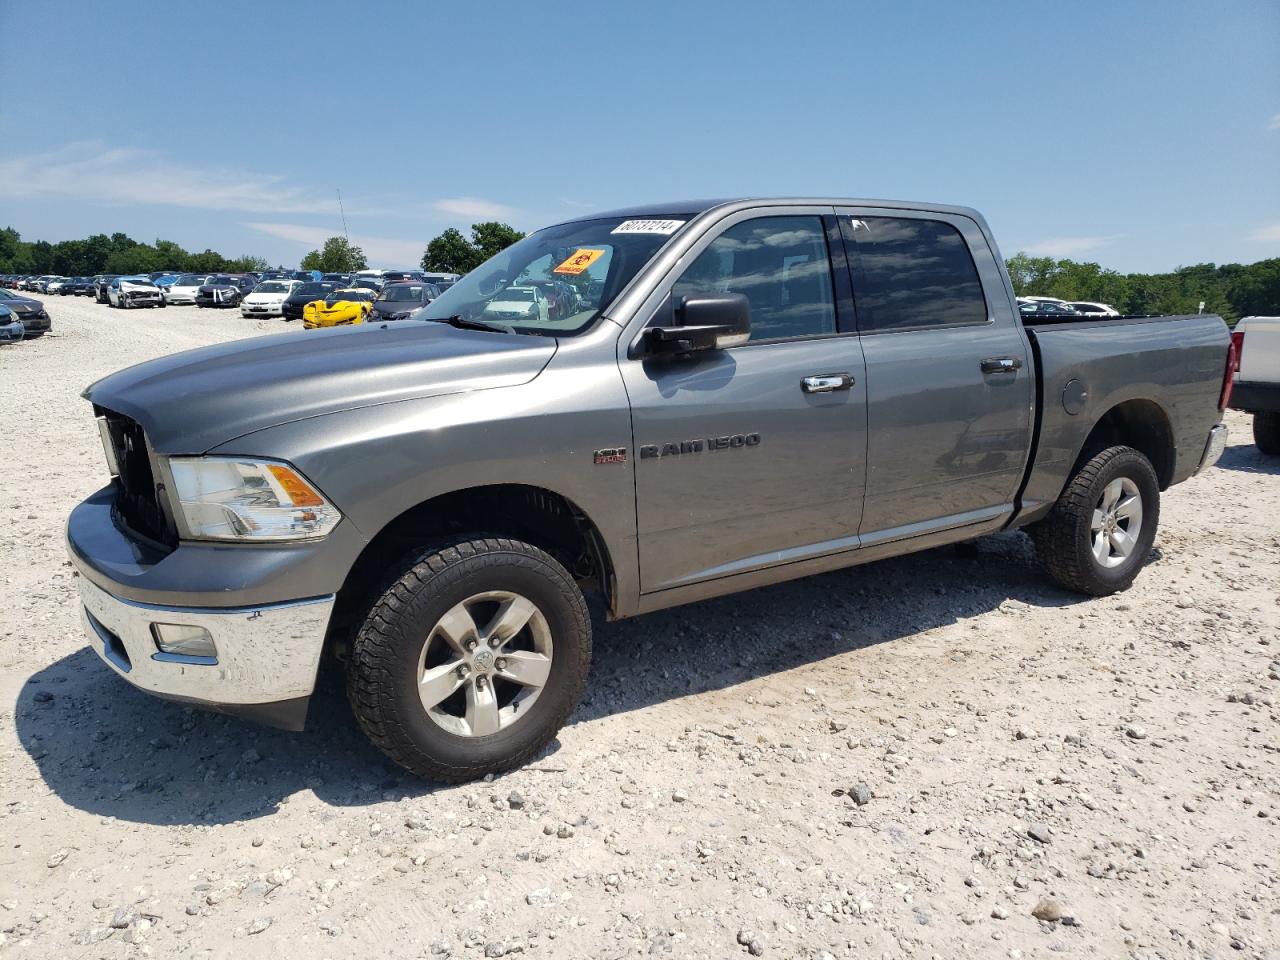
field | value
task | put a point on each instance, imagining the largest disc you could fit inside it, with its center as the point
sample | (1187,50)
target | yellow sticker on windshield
(579,262)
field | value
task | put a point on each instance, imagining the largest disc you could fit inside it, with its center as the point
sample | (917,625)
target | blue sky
(1143,135)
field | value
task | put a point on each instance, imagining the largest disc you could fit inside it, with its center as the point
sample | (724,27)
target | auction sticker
(664,227)
(579,262)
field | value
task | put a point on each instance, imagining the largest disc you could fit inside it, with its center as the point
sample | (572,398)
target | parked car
(306,292)
(1045,308)
(721,421)
(185,288)
(306,276)
(54,285)
(520,304)
(267,298)
(1089,308)
(341,308)
(442,280)
(398,301)
(401,276)
(77,287)
(224,290)
(100,284)
(1256,385)
(11,328)
(129,292)
(35,318)
(346,279)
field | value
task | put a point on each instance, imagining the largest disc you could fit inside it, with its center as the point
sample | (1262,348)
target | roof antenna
(344,216)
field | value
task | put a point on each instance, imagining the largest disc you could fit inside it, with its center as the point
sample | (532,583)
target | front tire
(1101,530)
(471,660)
(1266,432)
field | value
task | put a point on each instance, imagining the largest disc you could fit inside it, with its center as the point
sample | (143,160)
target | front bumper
(36,324)
(1213,447)
(1253,396)
(261,310)
(267,608)
(266,661)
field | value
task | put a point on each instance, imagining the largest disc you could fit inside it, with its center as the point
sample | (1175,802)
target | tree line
(117,253)
(1231,289)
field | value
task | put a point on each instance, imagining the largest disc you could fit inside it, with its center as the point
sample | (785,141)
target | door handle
(826,383)
(1001,365)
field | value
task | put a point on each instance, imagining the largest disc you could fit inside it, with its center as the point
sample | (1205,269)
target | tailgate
(1260,357)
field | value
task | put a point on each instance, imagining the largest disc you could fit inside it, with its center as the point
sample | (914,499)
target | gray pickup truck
(659,405)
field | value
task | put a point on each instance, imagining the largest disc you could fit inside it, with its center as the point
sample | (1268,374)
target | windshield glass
(403,294)
(562,263)
(351,295)
(271,286)
(315,289)
(189,280)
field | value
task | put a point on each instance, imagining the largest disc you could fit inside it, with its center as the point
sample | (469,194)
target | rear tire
(1266,432)
(1099,533)
(435,693)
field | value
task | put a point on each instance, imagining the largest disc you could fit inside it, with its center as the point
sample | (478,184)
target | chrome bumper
(265,654)
(1213,448)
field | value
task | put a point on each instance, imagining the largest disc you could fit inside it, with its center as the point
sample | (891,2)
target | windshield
(350,295)
(314,289)
(563,262)
(272,286)
(404,294)
(189,280)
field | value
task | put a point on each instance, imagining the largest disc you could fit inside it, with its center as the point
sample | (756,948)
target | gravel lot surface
(933,756)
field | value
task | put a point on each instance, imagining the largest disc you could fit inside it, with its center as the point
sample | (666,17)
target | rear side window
(914,273)
(780,264)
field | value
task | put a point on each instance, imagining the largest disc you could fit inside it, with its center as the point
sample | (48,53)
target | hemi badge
(611,455)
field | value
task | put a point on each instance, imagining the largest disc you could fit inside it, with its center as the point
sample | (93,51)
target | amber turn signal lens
(299,492)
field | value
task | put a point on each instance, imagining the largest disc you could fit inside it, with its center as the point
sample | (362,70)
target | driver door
(753,456)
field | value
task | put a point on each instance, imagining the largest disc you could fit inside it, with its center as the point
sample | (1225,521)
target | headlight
(230,498)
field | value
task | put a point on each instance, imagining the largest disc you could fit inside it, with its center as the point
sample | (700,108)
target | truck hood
(191,402)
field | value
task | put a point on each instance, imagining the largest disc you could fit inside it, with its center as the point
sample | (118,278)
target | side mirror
(711,322)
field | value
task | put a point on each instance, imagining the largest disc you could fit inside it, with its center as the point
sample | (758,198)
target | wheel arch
(1139,423)
(536,515)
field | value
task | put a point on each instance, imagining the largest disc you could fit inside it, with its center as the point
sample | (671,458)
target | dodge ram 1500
(730,394)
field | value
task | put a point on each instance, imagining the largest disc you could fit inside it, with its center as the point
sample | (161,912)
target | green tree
(15,256)
(491,237)
(207,261)
(248,264)
(338,255)
(451,252)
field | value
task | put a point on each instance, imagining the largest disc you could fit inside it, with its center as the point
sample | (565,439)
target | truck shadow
(108,749)
(1247,458)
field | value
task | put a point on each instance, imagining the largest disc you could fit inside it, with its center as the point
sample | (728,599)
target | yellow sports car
(340,308)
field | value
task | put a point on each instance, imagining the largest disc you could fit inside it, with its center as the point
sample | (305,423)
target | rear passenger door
(949,378)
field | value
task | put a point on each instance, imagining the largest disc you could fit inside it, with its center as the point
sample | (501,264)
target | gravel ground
(933,756)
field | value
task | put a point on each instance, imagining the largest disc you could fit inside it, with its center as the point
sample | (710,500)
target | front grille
(138,504)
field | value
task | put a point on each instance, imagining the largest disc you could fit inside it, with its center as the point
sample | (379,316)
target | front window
(405,294)
(539,285)
(780,265)
(272,286)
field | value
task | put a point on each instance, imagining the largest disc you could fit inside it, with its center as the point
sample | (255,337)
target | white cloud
(381,251)
(1275,123)
(94,171)
(1266,234)
(1070,246)
(473,207)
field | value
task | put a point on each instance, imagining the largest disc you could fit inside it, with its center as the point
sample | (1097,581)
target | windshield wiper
(462,323)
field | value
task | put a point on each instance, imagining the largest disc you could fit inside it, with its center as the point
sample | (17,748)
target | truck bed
(1165,372)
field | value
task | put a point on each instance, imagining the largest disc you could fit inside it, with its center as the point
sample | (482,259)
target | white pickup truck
(1256,388)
